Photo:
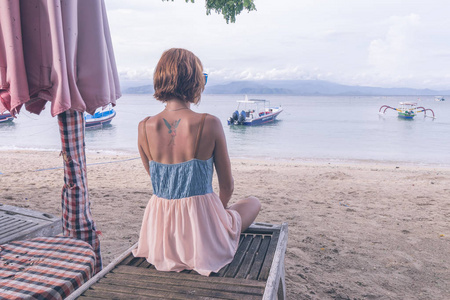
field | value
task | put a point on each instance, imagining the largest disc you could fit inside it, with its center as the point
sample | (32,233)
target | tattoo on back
(172,130)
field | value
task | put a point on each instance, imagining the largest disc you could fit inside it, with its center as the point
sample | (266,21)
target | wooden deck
(256,272)
(19,223)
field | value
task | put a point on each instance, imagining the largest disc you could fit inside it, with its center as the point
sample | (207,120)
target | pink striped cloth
(56,51)
(48,268)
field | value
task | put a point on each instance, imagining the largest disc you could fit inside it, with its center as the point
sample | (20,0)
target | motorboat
(252,112)
(6,117)
(100,118)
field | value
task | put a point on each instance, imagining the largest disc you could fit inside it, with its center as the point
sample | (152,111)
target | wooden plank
(136,261)
(125,292)
(174,287)
(4,220)
(93,294)
(281,289)
(127,259)
(14,210)
(140,262)
(145,264)
(250,255)
(263,228)
(18,223)
(184,277)
(185,284)
(222,271)
(11,226)
(267,264)
(238,257)
(259,259)
(116,262)
(277,271)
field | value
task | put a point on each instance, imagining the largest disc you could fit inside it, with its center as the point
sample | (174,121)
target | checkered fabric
(76,208)
(44,268)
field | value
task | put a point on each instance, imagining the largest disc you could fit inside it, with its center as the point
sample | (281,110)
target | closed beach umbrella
(58,54)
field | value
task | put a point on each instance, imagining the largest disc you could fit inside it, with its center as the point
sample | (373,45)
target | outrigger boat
(408,110)
(99,118)
(254,112)
(439,98)
(6,117)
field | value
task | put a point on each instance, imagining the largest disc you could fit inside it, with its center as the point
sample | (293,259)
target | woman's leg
(248,208)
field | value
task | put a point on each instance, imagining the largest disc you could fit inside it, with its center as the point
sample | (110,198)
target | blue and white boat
(99,118)
(252,112)
(6,117)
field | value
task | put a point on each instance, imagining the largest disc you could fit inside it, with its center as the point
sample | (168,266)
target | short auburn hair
(178,74)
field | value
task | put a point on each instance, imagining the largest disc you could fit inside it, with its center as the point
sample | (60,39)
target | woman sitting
(186,225)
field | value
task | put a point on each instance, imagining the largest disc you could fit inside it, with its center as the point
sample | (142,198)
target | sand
(361,230)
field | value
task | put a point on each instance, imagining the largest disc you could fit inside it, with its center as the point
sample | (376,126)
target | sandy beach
(356,230)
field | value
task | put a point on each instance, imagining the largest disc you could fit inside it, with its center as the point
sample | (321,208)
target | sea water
(310,128)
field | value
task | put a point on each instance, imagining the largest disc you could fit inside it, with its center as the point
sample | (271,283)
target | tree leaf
(228,8)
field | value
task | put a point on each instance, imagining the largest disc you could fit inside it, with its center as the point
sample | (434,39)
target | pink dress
(185,225)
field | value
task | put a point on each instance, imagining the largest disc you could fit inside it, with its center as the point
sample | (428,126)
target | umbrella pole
(76,208)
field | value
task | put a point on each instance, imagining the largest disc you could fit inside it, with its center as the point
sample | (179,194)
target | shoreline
(356,230)
(259,159)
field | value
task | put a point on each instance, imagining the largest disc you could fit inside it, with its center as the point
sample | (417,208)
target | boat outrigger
(407,110)
(99,118)
(254,112)
(6,117)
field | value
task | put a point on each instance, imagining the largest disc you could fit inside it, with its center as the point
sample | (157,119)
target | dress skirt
(193,233)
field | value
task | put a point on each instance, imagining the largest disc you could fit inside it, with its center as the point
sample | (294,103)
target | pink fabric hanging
(60,51)
(56,51)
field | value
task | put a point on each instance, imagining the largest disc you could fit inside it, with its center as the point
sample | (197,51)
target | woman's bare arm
(143,146)
(222,163)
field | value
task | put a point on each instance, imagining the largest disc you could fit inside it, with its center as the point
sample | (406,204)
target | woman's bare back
(174,137)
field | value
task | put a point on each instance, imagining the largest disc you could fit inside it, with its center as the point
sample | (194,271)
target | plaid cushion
(44,267)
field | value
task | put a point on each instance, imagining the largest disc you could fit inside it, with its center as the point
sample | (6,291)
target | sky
(354,42)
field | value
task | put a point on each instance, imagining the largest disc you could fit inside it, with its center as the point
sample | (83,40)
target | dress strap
(146,138)
(199,134)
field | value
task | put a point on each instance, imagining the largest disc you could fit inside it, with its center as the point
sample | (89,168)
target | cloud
(131,74)
(398,49)
(360,43)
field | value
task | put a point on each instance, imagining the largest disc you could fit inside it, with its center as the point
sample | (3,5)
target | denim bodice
(182,180)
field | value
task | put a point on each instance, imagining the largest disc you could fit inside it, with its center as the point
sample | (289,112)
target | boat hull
(4,118)
(406,115)
(258,121)
(100,119)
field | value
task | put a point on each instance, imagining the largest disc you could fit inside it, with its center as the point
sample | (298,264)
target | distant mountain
(312,87)
(299,87)
(249,87)
(144,89)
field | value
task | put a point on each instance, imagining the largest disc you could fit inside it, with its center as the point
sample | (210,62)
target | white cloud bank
(375,43)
